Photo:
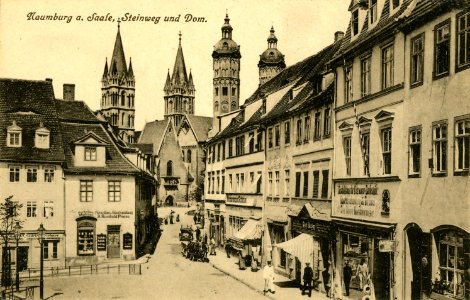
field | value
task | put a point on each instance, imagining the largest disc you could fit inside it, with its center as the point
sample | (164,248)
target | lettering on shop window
(101,242)
(127,238)
(107,214)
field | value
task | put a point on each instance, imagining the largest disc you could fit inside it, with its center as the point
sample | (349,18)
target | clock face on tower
(224,107)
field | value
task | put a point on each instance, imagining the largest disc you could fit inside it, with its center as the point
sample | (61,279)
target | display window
(86,237)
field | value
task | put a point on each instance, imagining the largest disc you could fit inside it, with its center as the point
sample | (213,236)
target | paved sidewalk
(284,288)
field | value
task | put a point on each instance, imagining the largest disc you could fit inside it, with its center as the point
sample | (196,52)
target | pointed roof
(118,61)
(190,81)
(130,71)
(167,82)
(179,75)
(105,72)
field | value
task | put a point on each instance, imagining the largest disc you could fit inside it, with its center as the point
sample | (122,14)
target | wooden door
(114,241)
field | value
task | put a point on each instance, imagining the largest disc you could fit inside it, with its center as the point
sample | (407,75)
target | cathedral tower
(226,64)
(271,62)
(117,92)
(179,90)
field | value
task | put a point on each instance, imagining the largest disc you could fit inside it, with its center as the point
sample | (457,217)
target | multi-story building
(31,169)
(118,93)
(400,202)
(178,140)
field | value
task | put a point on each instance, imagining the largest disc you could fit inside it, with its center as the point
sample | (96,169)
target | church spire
(118,60)
(179,75)
(130,71)
(167,83)
(105,72)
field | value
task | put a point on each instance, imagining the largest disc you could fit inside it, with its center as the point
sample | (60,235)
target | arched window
(188,156)
(169,168)
(123,98)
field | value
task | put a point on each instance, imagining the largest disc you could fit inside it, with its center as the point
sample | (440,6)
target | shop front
(247,241)
(365,238)
(316,224)
(215,226)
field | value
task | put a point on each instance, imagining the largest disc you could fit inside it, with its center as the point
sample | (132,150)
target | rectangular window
(276,183)
(270,183)
(32,174)
(417,59)
(463,40)
(387,150)
(219,149)
(440,148)
(15,173)
(297,183)
(217,188)
(286,133)
(347,154)
(348,88)
(223,151)
(230,183)
(259,140)
(251,144)
(49,174)
(441,49)
(324,184)
(31,209)
(365,144)
(48,209)
(305,190)
(90,153)
(299,132)
(365,76)
(54,249)
(224,91)
(45,249)
(462,145)
(259,183)
(230,147)
(217,91)
(415,151)
(223,183)
(85,241)
(277,135)
(307,129)
(114,190)
(316,180)
(327,123)
(86,190)
(373,11)
(14,139)
(270,137)
(234,91)
(286,182)
(387,67)
(355,22)
(317,125)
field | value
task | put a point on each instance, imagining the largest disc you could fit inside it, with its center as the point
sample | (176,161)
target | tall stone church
(118,93)
(178,139)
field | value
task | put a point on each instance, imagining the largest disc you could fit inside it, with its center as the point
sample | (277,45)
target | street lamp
(17,229)
(41,231)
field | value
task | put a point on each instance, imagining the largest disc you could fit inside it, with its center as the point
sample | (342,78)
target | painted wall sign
(107,214)
(236,199)
(310,226)
(358,200)
(127,241)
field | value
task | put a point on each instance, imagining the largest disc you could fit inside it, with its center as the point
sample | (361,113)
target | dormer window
(14,135)
(395,3)
(41,139)
(90,153)
(373,11)
(355,22)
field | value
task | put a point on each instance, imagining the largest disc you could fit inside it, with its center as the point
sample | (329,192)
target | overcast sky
(75,52)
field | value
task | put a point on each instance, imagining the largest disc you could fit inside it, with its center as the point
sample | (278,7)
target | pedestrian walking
(212,246)
(268,275)
(308,278)
(363,273)
(347,274)
(228,248)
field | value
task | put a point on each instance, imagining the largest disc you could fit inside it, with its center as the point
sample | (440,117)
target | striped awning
(250,231)
(301,246)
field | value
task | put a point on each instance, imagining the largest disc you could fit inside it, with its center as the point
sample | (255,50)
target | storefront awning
(301,246)
(373,225)
(250,231)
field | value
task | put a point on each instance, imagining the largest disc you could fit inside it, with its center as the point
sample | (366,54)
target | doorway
(419,244)
(114,241)
(169,201)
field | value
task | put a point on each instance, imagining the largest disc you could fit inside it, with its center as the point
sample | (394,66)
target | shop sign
(127,241)
(101,242)
(309,225)
(236,199)
(107,214)
(47,236)
(359,200)
(387,245)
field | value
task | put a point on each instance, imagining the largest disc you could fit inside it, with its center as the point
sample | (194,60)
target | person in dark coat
(228,248)
(308,278)
(347,274)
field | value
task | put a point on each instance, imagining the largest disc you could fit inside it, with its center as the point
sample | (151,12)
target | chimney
(338,35)
(69,92)
(49,79)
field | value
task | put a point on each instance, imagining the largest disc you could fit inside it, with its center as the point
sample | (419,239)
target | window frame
(48,204)
(31,174)
(365,152)
(31,209)
(355,22)
(325,183)
(86,190)
(287,133)
(316,184)
(17,141)
(347,154)
(270,138)
(386,147)
(417,60)
(387,61)
(286,183)
(327,122)
(465,145)
(436,44)
(307,123)
(317,132)
(366,75)
(299,132)
(415,139)
(348,83)
(14,170)
(373,11)
(443,149)
(277,135)
(90,153)
(458,66)
(42,138)
(114,190)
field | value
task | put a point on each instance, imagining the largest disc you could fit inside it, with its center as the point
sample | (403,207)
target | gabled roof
(85,139)
(153,133)
(145,148)
(76,111)
(29,103)
(200,126)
